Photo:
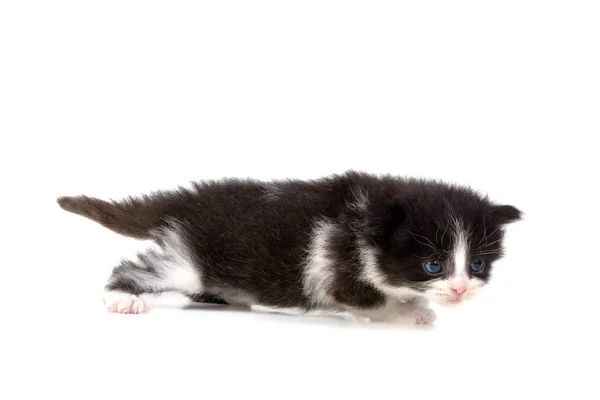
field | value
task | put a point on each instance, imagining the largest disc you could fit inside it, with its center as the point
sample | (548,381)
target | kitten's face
(444,252)
(451,265)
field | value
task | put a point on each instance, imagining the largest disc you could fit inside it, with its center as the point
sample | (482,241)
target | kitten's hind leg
(168,266)
(123,303)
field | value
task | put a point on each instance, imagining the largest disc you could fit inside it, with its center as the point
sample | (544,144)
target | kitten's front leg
(420,311)
(414,311)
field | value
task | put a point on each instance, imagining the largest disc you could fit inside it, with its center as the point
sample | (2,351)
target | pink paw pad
(126,304)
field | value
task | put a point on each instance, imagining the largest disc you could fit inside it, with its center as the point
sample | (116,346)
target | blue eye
(477,265)
(433,267)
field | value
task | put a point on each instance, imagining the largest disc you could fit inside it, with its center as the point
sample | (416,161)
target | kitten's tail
(131,218)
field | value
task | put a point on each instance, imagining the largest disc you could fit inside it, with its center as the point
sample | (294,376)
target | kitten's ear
(383,219)
(505,214)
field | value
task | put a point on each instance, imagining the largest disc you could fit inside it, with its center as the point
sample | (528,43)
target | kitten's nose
(458,287)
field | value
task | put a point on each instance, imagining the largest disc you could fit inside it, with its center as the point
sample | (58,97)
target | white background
(120,97)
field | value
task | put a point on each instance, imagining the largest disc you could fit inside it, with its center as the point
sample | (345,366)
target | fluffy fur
(352,243)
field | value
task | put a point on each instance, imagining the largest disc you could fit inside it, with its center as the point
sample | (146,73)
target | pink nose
(458,287)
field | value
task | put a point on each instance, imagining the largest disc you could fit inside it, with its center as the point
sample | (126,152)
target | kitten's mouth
(450,301)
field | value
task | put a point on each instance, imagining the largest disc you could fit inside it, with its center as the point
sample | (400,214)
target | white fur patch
(179,265)
(460,252)
(318,273)
(166,266)
(371,274)
(473,287)
(234,297)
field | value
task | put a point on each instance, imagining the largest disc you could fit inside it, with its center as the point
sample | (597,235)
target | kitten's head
(438,241)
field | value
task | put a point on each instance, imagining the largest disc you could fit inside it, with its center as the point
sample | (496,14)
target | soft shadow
(215,307)
(328,320)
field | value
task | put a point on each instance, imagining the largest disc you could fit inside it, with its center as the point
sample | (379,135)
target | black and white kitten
(368,246)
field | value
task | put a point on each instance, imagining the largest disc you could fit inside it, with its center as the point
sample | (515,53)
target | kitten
(374,247)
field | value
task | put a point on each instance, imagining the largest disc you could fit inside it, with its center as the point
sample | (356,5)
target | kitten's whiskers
(430,244)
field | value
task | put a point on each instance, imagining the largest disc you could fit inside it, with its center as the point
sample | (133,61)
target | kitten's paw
(425,316)
(124,303)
